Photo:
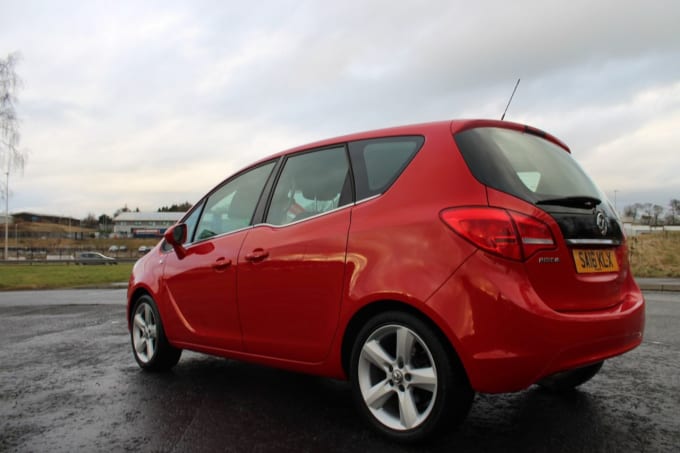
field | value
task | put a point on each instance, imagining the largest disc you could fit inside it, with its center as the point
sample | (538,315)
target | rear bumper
(508,339)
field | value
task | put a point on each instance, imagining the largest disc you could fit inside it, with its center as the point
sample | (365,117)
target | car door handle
(221,264)
(256,255)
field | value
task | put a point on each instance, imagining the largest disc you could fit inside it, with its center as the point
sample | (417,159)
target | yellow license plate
(599,260)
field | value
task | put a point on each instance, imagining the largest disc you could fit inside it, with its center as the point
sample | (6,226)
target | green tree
(182,207)
(121,210)
(105,223)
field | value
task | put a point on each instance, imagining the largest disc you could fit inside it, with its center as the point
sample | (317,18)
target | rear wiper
(573,202)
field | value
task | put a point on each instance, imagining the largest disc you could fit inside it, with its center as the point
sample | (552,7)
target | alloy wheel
(144,332)
(397,377)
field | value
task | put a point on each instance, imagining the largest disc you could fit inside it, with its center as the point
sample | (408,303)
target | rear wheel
(568,380)
(405,382)
(149,344)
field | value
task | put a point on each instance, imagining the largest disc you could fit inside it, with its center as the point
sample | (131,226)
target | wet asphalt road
(68,382)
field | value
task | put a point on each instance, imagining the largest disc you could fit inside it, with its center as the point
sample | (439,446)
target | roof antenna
(511,96)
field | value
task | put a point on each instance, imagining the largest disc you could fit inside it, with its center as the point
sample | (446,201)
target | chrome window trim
(188,245)
(349,205)
(220,235)
(372,197)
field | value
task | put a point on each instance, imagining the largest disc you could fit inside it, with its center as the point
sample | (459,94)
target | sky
(149,103)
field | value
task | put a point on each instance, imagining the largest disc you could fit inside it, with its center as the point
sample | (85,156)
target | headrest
(243,203)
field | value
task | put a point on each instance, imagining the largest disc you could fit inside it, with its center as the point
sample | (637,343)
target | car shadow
(207,403)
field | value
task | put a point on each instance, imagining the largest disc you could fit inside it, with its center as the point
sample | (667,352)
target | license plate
(599,260)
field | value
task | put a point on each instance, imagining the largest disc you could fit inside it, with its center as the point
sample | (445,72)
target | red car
(423,263)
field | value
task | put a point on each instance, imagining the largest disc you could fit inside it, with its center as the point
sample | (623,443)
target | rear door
(291,269)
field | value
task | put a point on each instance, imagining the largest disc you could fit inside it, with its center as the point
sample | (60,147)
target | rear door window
(378,163)
(310,184)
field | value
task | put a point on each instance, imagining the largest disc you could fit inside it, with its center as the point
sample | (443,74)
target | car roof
(454,126)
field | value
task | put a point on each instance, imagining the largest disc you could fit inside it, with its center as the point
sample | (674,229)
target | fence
(18,255)
(635,229)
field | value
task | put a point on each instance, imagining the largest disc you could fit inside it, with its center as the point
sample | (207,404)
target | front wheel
(151,348)
(406,383)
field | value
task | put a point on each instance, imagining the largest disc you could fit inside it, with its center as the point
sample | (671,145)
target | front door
(201,287)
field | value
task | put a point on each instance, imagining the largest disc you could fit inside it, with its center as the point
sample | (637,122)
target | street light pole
(6,213)
(616,207)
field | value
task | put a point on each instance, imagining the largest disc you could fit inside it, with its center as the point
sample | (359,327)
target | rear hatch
(586,266)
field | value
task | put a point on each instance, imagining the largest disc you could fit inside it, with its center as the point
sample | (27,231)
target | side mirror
(176,236)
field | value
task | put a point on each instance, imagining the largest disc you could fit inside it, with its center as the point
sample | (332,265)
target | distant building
(144,224)
(33,217)
(35,225)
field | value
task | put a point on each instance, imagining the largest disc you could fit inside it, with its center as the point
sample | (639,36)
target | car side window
(231,207)
(310,184)
(191,222)
(377,163)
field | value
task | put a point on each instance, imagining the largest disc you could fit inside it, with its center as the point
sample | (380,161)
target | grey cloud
(116,86)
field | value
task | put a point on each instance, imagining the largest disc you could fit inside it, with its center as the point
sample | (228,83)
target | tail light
(504,233)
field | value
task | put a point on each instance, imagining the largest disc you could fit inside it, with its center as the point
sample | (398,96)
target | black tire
(150,346)
(402,378)
(565,381)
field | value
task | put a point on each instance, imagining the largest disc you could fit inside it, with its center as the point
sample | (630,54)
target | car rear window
(523,165)
(378,163)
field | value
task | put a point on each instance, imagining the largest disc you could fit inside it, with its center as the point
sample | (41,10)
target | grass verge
(50,276)
(655,255)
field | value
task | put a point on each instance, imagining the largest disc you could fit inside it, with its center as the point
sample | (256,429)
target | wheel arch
(132,300)
(368,311)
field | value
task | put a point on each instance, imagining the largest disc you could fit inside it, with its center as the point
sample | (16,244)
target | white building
(144,224)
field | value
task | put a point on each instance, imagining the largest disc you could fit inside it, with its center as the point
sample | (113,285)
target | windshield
(525,165)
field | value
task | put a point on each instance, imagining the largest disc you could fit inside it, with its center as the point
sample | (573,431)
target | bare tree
(646,215)
(631,210)
(90,221)
(669,219)
(675,208)
(11,157)
(656,213)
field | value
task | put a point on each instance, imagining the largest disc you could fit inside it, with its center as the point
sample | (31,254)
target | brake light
(504,233)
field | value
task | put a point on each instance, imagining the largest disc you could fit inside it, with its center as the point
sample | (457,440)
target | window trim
(265,199)
(315,216)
